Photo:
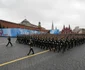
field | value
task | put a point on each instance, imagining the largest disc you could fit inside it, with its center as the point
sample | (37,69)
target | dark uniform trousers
(9,43)
(31,49)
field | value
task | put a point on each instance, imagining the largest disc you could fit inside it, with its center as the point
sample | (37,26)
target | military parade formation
(59,43)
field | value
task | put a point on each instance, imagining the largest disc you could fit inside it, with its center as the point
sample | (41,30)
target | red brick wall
(8,24)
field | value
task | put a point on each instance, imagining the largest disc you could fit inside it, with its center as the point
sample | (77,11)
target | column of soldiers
(59,43)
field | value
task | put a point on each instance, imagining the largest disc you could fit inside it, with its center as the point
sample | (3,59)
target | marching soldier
(31,48)
(9,41)
(60,42)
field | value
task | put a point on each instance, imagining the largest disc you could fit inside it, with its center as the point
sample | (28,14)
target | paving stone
(73,59)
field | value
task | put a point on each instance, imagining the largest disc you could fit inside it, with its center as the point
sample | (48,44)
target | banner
(56,31)
(16,31)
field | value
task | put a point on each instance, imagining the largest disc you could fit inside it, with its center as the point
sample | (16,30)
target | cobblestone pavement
(73,59)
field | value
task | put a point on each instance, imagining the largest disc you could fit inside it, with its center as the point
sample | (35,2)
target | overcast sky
(61,12)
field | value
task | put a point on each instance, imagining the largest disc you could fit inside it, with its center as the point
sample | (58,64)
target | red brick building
(8,24)
(66,30)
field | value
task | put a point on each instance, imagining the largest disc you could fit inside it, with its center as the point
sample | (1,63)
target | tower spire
(52,26)
(63,26)
(69,26)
